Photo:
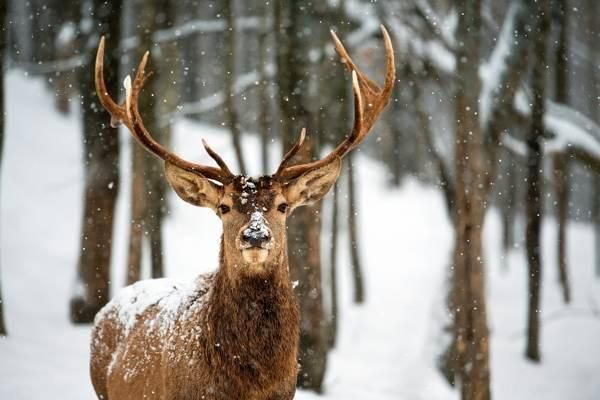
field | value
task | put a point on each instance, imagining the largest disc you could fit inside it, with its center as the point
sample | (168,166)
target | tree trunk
(101,160)
(293,21)
(138,211)
(147,181)
(471,331)
(333,328)
(561,184)
(510,206)
(3,32)
(229,80)
(561,165)
(357,274)
(534,199)
(595,85)
(264,118)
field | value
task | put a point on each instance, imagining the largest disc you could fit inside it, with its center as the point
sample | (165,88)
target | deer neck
(253,320)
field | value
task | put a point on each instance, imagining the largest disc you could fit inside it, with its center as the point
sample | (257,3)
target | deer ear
(313,185)
(192,187)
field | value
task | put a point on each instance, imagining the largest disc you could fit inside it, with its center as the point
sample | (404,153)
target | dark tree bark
(304,226)
(333,265)
(534,199)
(357,273)
(594,8)
(3,34)
(229,80)
(561,185)
(264,117)
(510,205)
(561,164)
(471,331)
(101,160)
(147,182)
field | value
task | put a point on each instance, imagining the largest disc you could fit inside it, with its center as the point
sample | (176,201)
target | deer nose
(256,237)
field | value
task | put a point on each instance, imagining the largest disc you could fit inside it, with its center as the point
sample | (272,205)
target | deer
(233,333)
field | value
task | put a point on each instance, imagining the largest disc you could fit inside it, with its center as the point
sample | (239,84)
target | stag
(231,334)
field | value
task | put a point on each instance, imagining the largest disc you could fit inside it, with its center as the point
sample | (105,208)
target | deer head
(253,211)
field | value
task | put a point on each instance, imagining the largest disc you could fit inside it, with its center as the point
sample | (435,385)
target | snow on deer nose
(257,233)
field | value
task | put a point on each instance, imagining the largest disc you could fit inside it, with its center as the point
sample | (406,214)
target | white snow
(492,71)
(257,228)
(385,348)
(567,127)
(166,294)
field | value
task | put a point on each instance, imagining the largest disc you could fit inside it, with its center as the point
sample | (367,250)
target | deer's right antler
(128,114)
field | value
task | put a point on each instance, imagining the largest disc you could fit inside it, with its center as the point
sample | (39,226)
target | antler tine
(369,101)
(213,154)
(292,152)
(116,111)
(128,113)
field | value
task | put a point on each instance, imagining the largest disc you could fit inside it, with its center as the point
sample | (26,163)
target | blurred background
(458,256)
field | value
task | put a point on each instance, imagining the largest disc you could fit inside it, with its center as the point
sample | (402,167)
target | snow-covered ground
(386,347)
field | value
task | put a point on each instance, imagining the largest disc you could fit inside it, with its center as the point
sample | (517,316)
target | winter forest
(456,255)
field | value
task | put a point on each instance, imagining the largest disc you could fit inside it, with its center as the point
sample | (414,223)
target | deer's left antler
(369,102)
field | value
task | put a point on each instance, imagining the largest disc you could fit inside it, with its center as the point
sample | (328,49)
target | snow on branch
(500,75)
(569,130)
(192,27)
(215,100)
(52,66)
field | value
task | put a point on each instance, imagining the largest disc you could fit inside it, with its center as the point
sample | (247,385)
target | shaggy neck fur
(253,324)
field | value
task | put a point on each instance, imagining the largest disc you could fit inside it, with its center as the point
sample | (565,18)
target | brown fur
(236,335)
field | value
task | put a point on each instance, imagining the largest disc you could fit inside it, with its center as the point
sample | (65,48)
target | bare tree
(230,63)
(304,226)
(264,117)
(357,273)
(101,161)
(534,207)
(333,266)
(3,32)
(147,182)
(471,331)
(560,162)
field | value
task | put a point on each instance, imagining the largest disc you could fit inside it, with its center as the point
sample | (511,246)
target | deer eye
(224,209)
(282,207)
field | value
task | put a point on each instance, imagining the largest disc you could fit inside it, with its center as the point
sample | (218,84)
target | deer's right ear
(193,188)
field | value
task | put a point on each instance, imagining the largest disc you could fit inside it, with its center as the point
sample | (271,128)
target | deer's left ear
(312,185)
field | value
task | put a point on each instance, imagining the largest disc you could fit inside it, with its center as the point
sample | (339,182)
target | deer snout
(256,238)
(256,233)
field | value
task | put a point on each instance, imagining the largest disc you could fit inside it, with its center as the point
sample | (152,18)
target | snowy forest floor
(386,347)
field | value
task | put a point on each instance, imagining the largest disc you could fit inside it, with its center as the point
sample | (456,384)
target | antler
(128,114)
(369,102)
